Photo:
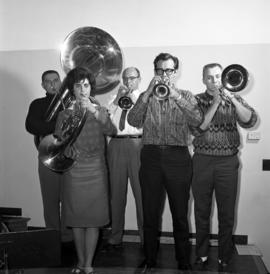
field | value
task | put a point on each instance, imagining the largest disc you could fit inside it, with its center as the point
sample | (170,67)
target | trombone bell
(234,78)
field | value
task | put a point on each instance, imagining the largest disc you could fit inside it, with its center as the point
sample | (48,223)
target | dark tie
(122,119)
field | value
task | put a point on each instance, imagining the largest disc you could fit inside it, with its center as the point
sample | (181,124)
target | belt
(165,147)
(128,136)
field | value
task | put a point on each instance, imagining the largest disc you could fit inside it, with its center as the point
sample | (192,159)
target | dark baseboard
(237,239)
(13,211)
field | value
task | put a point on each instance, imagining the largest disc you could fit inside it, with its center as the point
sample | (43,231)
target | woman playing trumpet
(85,188)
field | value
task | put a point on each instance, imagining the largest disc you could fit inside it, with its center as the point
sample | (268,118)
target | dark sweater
(36,121)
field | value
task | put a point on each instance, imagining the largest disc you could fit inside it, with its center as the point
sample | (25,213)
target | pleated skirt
(85,194)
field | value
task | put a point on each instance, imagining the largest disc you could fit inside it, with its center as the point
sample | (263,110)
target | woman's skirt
(85,191)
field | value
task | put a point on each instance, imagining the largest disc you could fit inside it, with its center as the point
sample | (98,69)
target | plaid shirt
(166,122)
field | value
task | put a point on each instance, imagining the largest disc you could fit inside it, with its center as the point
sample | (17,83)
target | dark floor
(127,259)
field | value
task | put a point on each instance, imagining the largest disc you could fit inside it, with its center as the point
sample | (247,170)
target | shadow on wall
(17,148)
(14,99)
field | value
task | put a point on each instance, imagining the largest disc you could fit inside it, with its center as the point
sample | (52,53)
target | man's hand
(228,94)
(173,92)
(156,79)
(122,91)
(217,98)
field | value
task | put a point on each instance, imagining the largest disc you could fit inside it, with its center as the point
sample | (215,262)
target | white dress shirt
(115,114)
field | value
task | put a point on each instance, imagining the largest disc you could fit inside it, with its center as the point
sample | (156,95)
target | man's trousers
(124,164)
(165,168)
(217,174)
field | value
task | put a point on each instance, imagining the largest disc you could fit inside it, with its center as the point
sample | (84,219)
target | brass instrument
(234,78)
(60,101)
(125,102)
(52,149)
(161,91)
(96,50)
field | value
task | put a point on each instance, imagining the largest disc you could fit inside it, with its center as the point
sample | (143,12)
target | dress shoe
(77,270)
(145,267)
(200,264)
(223,265)
(89,270)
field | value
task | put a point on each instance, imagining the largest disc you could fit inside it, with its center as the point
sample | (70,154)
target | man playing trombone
(215,162)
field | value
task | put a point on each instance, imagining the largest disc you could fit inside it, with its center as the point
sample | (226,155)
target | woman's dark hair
(76,75)
(165,57)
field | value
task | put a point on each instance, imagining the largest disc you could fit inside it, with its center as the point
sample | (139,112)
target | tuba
(96,50)
(234,78)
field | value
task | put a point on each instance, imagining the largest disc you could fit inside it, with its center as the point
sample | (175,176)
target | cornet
(161,91)
(125,101)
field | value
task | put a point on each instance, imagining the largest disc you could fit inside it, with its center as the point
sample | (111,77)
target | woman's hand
(86,103)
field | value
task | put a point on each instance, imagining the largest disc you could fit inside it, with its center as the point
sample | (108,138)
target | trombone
(234,78)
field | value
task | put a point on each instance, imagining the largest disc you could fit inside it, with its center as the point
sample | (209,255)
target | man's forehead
(214,70)
(165,63)
(51,76)
(130,72)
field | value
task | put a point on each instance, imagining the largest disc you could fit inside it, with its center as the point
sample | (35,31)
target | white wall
(198,32)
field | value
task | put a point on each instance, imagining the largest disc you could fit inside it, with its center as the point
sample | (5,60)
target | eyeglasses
(168,71)
(52,82)
(131,78)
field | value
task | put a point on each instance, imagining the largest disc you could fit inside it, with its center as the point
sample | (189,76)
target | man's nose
(164,73)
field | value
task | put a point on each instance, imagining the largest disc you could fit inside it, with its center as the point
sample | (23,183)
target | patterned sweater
(221,138)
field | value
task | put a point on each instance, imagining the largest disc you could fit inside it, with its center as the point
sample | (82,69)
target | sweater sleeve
(253,119)
(35,123)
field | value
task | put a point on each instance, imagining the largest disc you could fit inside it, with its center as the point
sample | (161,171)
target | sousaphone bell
(96,50)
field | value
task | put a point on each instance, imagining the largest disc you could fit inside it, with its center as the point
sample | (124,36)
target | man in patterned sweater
(215,162)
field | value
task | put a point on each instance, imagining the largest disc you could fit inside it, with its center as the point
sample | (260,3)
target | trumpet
(125,102)
(161,91)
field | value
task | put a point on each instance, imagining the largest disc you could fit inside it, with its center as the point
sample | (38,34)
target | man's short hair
(48,72)
(165,57)
(137,70)
(209,66)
